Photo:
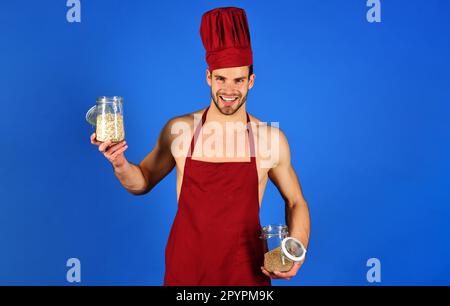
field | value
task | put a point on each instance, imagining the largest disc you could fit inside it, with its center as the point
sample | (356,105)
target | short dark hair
(250,70)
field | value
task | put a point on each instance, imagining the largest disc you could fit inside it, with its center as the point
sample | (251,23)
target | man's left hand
(283,275)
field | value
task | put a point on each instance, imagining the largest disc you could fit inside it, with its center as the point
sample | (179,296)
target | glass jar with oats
(280,250)
(107,117)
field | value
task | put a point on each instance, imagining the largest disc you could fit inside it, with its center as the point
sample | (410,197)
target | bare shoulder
(175,125)
(274,138)
(185,118)
(266,130)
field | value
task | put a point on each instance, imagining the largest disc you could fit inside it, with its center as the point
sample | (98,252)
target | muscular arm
(297,213)
(285,179)
(140,179)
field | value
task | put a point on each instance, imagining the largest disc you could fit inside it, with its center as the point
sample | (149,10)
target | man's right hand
(112,152)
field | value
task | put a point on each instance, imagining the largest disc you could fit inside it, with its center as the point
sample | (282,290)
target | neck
(214,114)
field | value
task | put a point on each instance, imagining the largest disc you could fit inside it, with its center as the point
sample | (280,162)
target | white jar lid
(293,249)
(91,115)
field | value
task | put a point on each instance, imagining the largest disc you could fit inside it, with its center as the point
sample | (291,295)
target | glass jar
(280,250)
(107,117)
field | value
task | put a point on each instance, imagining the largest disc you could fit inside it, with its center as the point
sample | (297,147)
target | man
(219,196)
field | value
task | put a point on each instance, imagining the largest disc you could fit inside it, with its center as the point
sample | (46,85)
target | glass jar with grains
(280,250)
(107,117)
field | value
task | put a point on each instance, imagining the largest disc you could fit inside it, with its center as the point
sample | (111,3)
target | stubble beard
(228,111)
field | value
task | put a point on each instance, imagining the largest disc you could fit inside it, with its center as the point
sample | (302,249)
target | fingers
(116,150)
(110,150)
(265,272)
(94,140)
(289,274)
(268,274)
(104,146)
(115,147)
(283,275)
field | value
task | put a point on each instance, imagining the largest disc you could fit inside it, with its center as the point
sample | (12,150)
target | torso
(263,171)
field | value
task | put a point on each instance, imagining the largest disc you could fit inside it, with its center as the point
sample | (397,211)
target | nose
(229,87)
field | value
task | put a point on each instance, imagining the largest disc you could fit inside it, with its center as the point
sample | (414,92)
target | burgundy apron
(214,239)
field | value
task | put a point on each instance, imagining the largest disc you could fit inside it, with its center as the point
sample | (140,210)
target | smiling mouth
(228,100)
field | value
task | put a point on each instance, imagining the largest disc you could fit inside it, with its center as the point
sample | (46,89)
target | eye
(240,81)
(220,79)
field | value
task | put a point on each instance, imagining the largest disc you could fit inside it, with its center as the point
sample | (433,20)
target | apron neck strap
(199,127)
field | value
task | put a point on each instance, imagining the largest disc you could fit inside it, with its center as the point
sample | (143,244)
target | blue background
(365,108)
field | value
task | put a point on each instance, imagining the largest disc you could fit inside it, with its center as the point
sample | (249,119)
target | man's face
(229,88)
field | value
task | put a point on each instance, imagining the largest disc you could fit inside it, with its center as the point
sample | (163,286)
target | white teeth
(228,99)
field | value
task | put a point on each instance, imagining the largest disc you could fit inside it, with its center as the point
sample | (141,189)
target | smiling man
(214,239)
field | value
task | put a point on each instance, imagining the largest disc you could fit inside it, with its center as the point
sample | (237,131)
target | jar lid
(91,115)
(293,249)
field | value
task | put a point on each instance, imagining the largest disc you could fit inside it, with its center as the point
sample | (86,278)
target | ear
(208,77)
(251,82)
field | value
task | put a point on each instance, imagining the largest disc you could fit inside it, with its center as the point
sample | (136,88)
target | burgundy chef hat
(226,38)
